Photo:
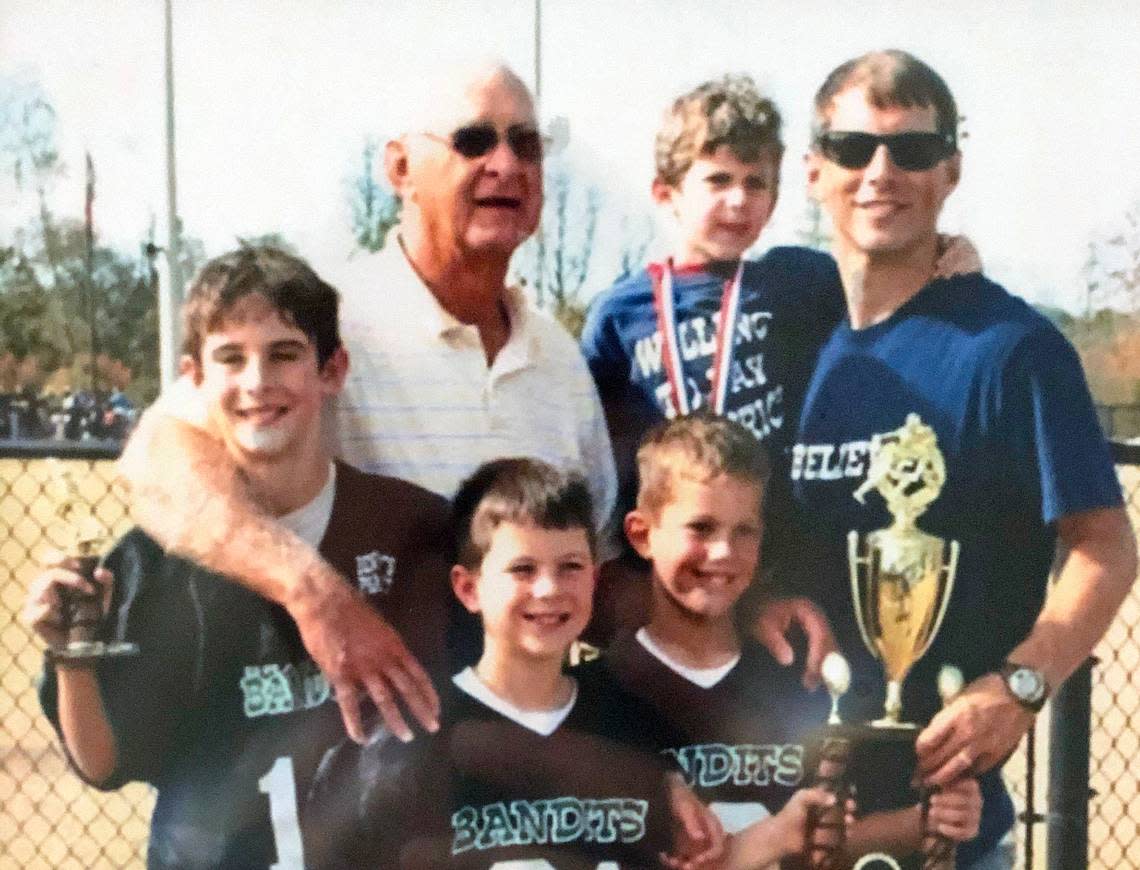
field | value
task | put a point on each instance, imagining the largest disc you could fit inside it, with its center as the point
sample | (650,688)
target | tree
(564,246)
(45,306)
(27,135)
(374,207)
(31,324)
(1112,270)
(1108,335)
(637,235)
(49,289)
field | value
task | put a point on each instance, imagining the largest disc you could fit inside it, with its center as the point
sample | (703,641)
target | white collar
(310,521)
(706,678)
(544,722)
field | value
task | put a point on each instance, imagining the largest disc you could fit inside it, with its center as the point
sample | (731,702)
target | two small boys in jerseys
(518,732)
(523,742)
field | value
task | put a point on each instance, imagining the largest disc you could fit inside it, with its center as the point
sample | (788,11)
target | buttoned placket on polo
(515,355)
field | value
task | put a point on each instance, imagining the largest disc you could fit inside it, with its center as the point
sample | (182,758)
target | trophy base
(82,651)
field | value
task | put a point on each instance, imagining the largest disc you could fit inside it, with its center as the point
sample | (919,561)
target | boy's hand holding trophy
(78,609)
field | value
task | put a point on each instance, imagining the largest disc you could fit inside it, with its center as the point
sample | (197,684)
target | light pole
(170,297)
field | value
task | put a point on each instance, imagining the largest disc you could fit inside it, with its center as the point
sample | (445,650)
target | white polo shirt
(421,403)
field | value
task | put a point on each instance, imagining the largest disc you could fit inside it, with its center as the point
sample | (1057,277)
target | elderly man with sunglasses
(450,368)
(1004,397)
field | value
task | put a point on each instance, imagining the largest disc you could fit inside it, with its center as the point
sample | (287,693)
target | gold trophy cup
(81,613)
(901,577)
(901,581)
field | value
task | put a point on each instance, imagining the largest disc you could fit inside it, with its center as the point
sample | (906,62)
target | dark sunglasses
(475,140)
(913,151)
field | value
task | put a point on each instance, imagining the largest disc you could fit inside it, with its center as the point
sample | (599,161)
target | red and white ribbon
(664,303)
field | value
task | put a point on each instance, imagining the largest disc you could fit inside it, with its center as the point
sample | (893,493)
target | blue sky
(275,98)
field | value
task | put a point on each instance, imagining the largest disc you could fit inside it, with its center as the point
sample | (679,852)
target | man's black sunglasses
(475,140)
(913,151)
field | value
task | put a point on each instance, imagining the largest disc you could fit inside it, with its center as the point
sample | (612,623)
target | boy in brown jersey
(222,710)
(743,719)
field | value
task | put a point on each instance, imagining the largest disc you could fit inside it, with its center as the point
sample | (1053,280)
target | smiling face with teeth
(881,210)
(704,543)
(533,589)
(262,385)
(456,207)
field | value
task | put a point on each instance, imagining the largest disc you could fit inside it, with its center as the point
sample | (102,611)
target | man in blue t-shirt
(707,328)
(1004,397)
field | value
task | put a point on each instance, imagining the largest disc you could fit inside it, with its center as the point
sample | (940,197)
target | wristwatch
(1026,684)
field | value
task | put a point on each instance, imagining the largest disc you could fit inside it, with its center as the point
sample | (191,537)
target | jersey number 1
(281,787)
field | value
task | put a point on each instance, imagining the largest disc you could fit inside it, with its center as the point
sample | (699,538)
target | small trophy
(81,613)
(901,577)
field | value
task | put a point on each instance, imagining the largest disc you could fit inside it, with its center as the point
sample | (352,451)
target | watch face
(1027,685)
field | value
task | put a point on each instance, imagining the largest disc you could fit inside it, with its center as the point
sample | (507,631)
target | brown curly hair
(287,282)
(727,111)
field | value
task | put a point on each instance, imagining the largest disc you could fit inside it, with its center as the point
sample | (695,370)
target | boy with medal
(706,329)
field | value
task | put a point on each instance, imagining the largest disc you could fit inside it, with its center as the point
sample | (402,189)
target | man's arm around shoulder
(189,494)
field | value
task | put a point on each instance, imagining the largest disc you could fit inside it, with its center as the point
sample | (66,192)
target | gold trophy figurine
(901,577)
(82,613)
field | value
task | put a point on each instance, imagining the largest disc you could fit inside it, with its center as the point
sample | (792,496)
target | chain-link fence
(49,819)
(1114,781)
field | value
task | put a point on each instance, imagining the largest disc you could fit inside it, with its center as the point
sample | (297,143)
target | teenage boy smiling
(223,711)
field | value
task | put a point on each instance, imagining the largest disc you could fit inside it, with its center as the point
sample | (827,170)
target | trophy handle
(938,852)
(82,617)
(854,561)
(826,830)
(946,574)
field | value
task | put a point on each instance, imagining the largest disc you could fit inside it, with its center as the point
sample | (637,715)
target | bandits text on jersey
(275,689)
(710,765)
(549,821)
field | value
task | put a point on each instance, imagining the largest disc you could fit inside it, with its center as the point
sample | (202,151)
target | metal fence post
(1068,819)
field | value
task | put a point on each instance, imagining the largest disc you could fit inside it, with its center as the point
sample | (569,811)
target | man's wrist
(1025,684)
